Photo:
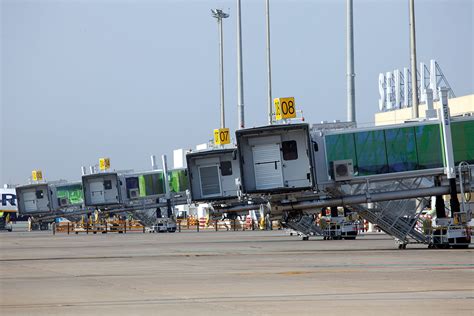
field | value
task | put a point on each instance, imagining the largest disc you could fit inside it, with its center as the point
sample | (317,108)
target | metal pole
(240,75)
(165,176)
(153,162)
(221,62)
(219,15)
(269,67)
(414,83)
(351,117)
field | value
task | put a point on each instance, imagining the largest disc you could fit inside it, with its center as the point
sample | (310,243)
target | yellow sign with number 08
(221,136)
(284,108)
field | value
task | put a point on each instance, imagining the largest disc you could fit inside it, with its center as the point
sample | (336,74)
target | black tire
(460,246)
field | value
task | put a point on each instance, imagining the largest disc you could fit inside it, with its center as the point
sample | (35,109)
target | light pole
(240,72)
(414,83)
(219,15)
(269,65)
(350,75)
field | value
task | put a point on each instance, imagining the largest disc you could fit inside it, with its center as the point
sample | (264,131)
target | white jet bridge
(385,174)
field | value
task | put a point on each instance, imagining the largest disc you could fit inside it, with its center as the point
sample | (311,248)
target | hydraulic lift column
(439,204)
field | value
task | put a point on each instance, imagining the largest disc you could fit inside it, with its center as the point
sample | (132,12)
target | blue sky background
(127,79)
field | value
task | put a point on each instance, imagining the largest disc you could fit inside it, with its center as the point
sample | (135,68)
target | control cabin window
(290,150)
(107,184)
(39,194)
(226,168)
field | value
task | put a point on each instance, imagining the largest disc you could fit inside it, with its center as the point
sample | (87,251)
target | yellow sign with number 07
(284,108)
(221,136)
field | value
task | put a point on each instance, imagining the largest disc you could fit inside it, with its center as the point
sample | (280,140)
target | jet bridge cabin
(212,174)
(102,189)
(34,199)
(275,158)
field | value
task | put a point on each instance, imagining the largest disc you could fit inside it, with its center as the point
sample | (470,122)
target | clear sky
(126,79)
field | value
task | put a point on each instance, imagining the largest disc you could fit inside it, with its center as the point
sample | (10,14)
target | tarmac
(229,273)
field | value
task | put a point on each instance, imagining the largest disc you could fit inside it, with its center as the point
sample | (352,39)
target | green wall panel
(151,184)
(401,149)
(371,153)
(340,147)
(72,192)
(429,146)
(463,141)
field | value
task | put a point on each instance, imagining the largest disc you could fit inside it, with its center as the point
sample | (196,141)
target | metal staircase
(304,224)
(396,218)
(402,228)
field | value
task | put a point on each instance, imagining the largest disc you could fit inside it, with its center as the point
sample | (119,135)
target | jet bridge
(375,171)
(140,193)
(45,201)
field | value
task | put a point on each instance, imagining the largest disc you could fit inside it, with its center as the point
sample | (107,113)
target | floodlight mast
(219,15)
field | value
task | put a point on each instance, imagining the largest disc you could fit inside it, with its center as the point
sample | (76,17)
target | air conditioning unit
(63,201)
(343,170)
(134,193)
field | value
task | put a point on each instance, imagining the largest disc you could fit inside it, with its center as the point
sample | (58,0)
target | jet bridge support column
(454,201)
(448,150)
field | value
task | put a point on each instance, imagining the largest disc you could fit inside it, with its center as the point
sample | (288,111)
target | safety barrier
(116,226)
(197,224)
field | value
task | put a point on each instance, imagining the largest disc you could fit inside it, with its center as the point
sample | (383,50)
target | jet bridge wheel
(305,238)
(402,246)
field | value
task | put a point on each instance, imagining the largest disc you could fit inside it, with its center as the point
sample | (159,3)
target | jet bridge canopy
(275,158)
(102,189)
(34,199)
(212,174)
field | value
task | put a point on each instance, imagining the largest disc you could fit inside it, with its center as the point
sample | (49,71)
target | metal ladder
(305,225)
(392,224)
